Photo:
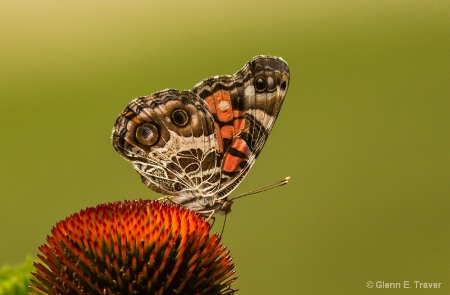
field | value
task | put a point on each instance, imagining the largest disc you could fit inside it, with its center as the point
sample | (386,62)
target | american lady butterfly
(197,145)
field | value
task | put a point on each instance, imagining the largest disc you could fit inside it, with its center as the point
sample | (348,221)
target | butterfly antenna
(265,188)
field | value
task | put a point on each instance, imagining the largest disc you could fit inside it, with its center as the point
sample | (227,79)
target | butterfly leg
(165,198)
(210,216)
(213,221)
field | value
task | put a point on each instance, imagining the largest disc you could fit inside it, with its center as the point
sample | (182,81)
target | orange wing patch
(230,122)
(132,116)
(231,162)
(222,100)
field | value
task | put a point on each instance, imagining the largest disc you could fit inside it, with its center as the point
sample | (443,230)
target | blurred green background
(364,132)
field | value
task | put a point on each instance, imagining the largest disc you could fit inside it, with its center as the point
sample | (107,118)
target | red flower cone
(133,247)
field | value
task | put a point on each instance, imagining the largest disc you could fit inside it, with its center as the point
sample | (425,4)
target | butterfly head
(225,207)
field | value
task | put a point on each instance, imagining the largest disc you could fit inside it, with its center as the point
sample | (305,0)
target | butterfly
(197,145)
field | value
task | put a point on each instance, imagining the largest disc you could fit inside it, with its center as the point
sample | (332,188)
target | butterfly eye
(260,84)
(180,117)
(147,134)
(271,84)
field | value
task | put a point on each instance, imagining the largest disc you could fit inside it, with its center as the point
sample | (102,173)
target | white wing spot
(224,105)
(250,91)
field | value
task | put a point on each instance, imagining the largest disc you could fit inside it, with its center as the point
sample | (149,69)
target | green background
(364,132)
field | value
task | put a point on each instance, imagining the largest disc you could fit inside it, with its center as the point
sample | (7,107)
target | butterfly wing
(169,137)
(198,145)
(244,107)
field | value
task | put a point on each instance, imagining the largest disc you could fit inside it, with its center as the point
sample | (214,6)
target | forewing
(244,107)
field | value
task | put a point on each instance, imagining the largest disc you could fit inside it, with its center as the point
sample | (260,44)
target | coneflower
(133,247)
